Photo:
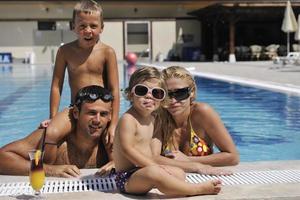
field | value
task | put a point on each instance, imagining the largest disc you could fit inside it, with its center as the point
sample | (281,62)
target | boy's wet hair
(89,7)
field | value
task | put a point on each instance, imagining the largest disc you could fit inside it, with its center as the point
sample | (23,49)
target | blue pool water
(265,125)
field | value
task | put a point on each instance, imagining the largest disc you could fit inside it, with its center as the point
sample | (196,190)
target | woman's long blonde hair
(165,123)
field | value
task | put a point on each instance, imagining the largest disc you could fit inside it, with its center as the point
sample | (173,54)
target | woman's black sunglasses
(141,90)
(93,93)
(180,94)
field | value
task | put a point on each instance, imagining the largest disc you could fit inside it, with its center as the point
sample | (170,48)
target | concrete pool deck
(277,191)
(264,74)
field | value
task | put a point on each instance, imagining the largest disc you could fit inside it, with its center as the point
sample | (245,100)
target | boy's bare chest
(86,63)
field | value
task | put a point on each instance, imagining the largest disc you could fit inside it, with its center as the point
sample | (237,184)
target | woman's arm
(187,166)
(205,117)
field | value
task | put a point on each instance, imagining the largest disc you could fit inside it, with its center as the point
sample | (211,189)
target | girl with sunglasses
(136,170)
(188,129)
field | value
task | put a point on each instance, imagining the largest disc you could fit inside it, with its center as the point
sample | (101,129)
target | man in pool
(66,152)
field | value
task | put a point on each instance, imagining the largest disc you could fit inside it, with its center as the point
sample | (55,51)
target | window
(46,25)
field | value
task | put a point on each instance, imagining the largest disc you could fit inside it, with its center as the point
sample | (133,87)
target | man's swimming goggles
(141,90)
(92,93)
(180,94)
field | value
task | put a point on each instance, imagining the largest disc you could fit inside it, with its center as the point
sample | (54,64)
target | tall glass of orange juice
(37,173)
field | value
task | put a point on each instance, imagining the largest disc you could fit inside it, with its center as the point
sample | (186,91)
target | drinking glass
(37,173)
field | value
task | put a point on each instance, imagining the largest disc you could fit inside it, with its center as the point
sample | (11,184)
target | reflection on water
(6,69)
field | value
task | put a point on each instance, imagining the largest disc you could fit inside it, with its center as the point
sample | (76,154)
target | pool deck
(264,74)
(277,191)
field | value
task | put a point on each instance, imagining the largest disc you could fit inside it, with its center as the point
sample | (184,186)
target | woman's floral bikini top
(198,146)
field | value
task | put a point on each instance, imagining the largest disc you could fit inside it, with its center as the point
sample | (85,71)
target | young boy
(136,170)
(88,62)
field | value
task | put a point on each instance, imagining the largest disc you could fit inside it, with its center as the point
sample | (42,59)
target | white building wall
(113,36)
(17,33)
(22,38)
(163,37)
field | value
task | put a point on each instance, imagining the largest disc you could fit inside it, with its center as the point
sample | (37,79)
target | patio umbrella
(289,23)
(297,34)
(180,36)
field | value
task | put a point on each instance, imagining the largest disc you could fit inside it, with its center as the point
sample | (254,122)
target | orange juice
(37,175)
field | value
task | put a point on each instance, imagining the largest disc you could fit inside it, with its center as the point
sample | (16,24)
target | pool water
(265,125)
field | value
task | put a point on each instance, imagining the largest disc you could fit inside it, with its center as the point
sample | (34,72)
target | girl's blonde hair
(89,7)
(165,123)
(143,74)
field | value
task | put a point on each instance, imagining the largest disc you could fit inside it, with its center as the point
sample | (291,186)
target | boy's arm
(57,82)
(107,168)
(113,85)
(127,131)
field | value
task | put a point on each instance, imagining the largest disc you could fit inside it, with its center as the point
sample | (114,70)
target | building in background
(186,30)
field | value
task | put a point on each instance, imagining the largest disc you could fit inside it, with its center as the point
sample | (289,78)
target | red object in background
(131,58)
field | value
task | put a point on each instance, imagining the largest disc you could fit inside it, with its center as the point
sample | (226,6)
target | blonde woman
(187,130)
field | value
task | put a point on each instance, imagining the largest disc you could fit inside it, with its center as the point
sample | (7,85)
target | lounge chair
(255,52)
(271,51)
(291,58)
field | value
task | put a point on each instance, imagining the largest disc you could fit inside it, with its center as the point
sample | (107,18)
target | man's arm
(57,82)
(113,86)
(14,156)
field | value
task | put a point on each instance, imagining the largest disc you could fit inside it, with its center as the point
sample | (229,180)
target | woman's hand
(178,155)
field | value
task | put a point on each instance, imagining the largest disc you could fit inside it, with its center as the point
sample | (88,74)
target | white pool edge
(287,89)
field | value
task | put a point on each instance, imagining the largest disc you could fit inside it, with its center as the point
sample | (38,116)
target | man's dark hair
(92,93)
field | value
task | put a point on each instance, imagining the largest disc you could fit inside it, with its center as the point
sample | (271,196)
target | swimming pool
(265,125)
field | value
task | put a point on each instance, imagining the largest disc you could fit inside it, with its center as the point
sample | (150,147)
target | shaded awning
(243,11)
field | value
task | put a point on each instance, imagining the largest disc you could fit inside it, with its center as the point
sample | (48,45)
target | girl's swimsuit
(198,146)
